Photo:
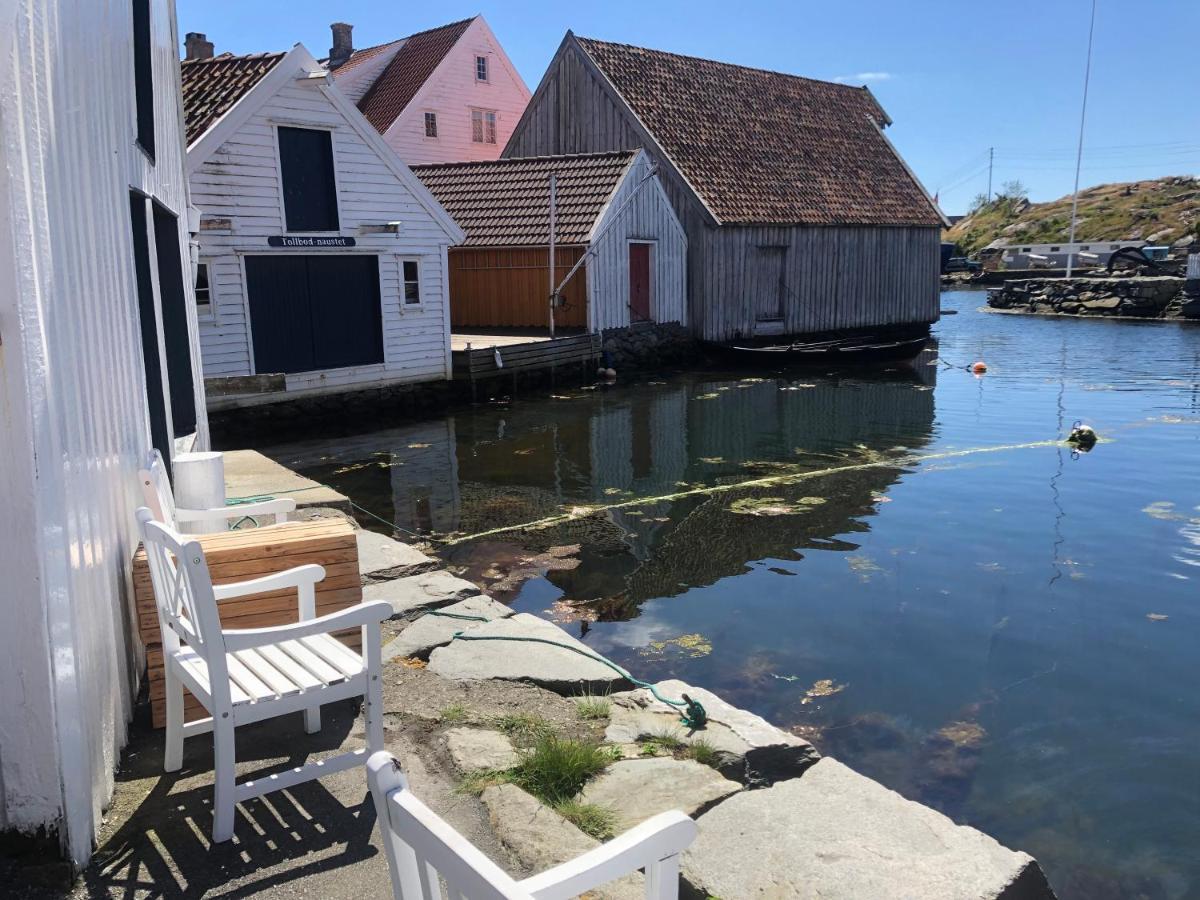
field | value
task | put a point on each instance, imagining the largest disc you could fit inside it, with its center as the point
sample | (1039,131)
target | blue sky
(955,82)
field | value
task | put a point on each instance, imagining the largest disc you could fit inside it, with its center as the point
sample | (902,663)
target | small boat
(839,351)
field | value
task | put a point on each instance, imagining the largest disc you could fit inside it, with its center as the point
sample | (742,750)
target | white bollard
(200,484)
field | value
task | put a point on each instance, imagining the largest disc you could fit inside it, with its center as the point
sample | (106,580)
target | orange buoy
(979,368)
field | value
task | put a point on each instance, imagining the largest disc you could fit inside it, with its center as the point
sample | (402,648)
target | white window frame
(337,187)
(209,315)
(487,68)
(483,123)
(404,282)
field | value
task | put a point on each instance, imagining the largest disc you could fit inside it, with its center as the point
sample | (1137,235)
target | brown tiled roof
(764,147)
(212,86)
(506,202)
(410,68)
(359,57)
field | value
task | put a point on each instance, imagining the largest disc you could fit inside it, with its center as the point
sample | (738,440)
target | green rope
(693,715)
(450,615)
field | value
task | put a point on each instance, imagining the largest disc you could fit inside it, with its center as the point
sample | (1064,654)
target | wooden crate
(252,553)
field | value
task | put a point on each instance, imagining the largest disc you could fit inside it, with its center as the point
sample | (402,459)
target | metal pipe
(1087,74)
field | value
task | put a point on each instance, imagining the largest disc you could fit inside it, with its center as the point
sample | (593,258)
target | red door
(639,282)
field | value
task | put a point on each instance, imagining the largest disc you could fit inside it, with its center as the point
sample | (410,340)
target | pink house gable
(449,94)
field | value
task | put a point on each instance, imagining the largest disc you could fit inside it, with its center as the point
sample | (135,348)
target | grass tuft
(592,707)
(523,727)
(474,783)
(557,768)
(589,818)
(453,714)
(704,753)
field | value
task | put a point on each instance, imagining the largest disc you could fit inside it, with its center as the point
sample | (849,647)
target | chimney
(197,46)
(343,44)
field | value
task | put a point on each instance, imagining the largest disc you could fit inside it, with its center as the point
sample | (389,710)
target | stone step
(382,559)
(415,594)
(637,789)
(554,668)
(836,835)
(752,750)
(432,631)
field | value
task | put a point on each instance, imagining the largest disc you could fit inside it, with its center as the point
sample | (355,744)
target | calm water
(1010,636)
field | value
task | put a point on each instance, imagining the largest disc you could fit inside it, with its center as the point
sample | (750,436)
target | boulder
(418,593)
(381,558)
(637,789)
(1102,304)
(540,838)
(836,835)
(491,654)
(751,749)
(431,631)
(478,749)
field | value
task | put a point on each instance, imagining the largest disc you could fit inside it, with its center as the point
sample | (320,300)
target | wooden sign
(284,240)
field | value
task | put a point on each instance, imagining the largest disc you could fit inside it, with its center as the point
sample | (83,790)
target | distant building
(444,95)
(322,257)
(99,362)
(1087,254)
(801,217)
(610,208)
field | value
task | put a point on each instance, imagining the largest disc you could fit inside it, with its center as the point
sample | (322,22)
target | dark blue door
(309,313)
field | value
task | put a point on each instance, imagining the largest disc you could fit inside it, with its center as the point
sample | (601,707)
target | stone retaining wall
(649,344)
(1155,297)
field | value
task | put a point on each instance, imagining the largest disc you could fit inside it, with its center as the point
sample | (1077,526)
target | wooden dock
(479,357)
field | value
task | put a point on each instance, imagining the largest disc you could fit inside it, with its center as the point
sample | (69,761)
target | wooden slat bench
(252,553)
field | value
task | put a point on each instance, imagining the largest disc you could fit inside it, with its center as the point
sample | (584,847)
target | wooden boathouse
(801,217)
(617,244)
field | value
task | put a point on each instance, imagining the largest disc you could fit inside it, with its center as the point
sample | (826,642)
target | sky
(955,83)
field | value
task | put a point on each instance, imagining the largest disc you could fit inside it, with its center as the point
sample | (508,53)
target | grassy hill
(1160,211)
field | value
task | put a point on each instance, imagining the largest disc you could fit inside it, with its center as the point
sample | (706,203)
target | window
(481,68)
(204,305)
(143,76)
(173,305)
(1026,249)
(1054,249)
(483,126)
(431,125)
(1084,247)
(309,190)
(412,282)
(1114,246)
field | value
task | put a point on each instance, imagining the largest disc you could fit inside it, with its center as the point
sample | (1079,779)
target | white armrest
(355,616)
(667,834)
(289,578)
(274,507)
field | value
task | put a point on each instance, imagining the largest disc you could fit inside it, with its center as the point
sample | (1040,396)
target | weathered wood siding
(647,217)
(240,181)
(74,421)
(576,110)
(509,287)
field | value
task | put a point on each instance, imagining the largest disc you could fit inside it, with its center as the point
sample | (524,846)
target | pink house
(449,94)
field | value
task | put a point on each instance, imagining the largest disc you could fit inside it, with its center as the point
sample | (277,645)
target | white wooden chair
(420,847)
(160,500)
(246,675)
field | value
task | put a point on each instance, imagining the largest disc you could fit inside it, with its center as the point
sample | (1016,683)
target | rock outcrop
(1154,297)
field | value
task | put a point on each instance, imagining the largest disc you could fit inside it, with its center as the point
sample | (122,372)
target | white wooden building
(610,211)
(98,362)
(442,95)
(322,257)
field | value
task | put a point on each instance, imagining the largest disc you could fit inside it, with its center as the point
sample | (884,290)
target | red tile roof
(410,68)
(361,56)
(211,87)
(506,202)
(764,147)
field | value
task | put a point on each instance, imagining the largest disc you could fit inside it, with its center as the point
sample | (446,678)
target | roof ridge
(719,62)
(436,28)
(519,159)
(234,57)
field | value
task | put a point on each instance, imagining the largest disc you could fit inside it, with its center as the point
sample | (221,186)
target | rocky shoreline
(776,818)
(1144,297)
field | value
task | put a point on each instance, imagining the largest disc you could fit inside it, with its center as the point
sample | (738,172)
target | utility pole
(991,157)
(1087,74)
(553,286)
